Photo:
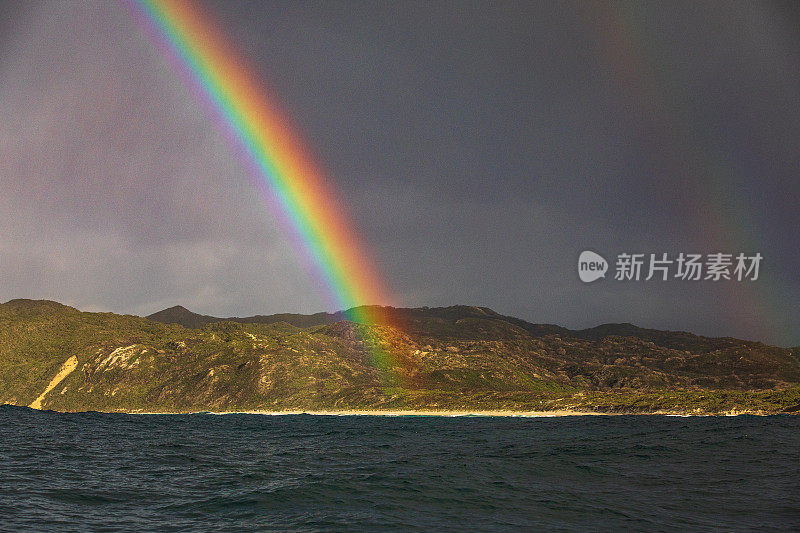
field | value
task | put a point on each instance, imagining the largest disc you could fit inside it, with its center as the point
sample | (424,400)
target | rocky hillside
(441,358)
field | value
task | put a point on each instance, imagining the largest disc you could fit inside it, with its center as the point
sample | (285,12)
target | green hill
(441,358)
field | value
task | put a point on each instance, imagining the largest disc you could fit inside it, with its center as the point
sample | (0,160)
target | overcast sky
(478,147)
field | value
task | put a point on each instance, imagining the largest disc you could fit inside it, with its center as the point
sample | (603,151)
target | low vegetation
(456,358)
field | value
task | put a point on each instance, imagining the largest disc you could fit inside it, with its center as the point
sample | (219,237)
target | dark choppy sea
(90,472)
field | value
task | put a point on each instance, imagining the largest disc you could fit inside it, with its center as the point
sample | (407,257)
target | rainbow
(274,154)
(274,151)
(712,169)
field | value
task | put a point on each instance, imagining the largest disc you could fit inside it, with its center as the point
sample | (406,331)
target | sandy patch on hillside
(70,365)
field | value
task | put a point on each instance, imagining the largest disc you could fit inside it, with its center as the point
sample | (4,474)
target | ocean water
(104,472)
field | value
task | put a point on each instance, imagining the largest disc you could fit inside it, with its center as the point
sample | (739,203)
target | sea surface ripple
(115,472)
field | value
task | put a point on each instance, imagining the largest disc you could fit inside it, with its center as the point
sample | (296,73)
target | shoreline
(434,412)
(426,412)
(387,412)
(452,413)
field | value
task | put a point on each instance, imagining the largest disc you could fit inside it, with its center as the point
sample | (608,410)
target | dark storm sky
(479,148)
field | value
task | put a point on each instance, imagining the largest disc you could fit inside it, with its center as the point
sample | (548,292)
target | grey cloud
(479,148)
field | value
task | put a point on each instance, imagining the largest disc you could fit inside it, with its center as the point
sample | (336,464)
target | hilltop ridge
(411,318)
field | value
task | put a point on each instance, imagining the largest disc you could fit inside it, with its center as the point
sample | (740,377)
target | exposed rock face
(454,357)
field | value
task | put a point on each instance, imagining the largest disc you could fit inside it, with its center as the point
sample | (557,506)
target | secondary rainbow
(713,170)
(275,153)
